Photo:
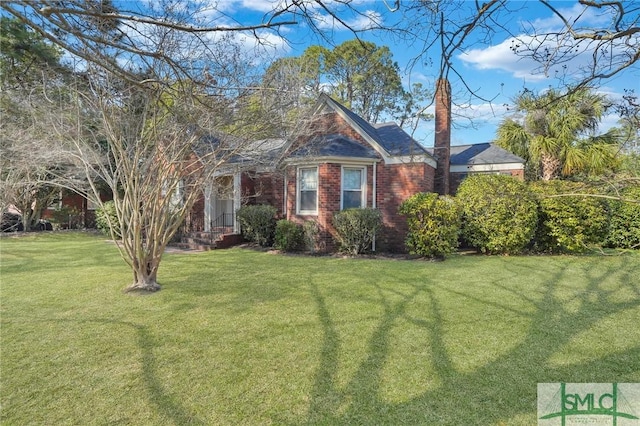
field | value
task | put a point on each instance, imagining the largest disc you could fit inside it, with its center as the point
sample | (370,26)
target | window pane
(308,200)
(351,199)
(308,179)
(352,179)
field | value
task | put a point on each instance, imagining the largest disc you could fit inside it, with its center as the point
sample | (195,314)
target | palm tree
(556,133)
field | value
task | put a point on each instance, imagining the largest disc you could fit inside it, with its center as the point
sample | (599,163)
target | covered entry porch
(221,201)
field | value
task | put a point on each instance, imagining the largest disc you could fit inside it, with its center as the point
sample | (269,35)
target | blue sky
(489,67)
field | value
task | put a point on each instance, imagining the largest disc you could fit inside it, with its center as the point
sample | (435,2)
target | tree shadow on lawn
(166,405)
(499,392)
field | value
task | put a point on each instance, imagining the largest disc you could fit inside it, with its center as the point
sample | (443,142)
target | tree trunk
(550,166)
(144,278)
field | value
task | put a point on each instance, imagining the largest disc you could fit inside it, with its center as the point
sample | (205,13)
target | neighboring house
(73,210)
(481,158)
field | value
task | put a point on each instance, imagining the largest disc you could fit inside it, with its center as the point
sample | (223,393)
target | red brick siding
(247,187)
(396,183)
(329,200)
(517,173)
(194,221)
(79,203)
(263,188)
(442,138)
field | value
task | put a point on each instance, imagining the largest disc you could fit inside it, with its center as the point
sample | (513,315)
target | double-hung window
(308,190)
(353,187)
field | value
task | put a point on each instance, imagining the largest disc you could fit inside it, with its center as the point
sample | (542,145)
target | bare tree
(143,143)
(601,52)
(440,30)
(152,113)
(33,164)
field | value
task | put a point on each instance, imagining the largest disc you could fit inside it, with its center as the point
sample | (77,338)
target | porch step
(229,240)
(203,241)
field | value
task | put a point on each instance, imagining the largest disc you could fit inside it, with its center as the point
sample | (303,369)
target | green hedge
(106,217)
(624,225)
(257,223)
(499,213)
(289,236)
(356,229)
(568,222)
(434,224)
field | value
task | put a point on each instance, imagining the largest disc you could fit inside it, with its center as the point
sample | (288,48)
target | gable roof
(334,145)
(396,141)
(482,157)
(482,153)
(388,139)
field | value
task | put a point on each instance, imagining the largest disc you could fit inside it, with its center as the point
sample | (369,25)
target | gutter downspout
(237,199)
(285,211)
(373,200)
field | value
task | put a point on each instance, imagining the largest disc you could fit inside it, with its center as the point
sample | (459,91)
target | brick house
(341,161)
(73,210)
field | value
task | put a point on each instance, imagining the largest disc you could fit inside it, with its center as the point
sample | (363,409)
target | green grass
(244,337)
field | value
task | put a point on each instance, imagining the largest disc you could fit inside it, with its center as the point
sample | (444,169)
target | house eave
(386,156)
(330,159)
(466,168)
(408,159)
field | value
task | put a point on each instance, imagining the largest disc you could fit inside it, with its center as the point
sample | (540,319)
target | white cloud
(264,44)
(263,6)
(578,15)
(501,57)
(362,21)
(575,59)
(547,37)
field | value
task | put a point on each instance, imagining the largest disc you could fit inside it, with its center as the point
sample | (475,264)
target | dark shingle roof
(334,145)
(482,153)
(389,136)
(396,141)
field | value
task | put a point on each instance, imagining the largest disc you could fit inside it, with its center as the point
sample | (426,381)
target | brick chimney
(442,138)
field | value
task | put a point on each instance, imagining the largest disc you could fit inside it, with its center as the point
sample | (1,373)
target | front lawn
(244,337)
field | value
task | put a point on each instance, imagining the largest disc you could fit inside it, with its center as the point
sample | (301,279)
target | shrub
(257,223)
(434,224)
(499,213)
(68,217)
(356,229)
(569,223)
(289,236)
(106,217)
(624,225)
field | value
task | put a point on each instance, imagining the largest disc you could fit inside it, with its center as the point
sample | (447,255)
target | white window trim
(298,198)
(363,187)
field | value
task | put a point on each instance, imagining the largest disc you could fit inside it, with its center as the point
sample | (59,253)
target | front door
(221,204)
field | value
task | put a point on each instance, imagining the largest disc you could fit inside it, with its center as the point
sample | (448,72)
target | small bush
(434,224)
(569,223)
(106,215)
(68,217)
(499,213)
(624,226)
(289,236)
(356,229)
(257,223)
